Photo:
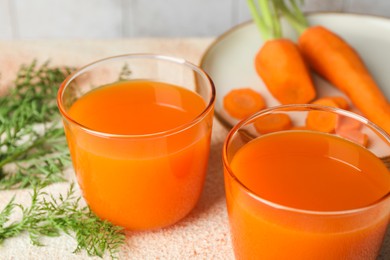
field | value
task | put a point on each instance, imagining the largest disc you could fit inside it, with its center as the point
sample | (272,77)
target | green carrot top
(266,18)
(266,15)
(292,12)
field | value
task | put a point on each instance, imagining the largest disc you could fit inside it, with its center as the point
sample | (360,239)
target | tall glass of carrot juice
(297,190)
(138,128)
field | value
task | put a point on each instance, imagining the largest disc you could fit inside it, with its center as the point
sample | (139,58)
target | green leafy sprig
(266,18)
(31,136)
(291,10)
(34,153)
(50,216)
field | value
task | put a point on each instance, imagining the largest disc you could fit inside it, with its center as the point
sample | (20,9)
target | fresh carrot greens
(48,216)
(267,20)
(33,149)
(34,154)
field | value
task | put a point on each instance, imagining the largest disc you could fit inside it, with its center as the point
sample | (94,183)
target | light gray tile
(373,7)
(243,11)
(127,18)
(143,18)
(308,6)
(69,19)
(179,18)
(323,5)
(5,20)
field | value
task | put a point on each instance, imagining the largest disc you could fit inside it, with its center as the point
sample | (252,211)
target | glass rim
(138,56)
(303,107)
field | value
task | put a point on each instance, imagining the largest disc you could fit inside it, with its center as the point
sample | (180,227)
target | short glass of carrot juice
(138,128)
(298,190)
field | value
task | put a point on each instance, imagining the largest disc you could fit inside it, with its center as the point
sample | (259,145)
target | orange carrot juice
(141,173)
(306,195)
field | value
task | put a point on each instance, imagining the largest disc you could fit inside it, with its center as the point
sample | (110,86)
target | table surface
(203,234)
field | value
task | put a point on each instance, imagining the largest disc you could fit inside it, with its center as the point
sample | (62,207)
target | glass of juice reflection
(138,128)
(300,193)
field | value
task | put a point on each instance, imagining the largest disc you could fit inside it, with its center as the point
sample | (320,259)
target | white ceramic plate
(229,60)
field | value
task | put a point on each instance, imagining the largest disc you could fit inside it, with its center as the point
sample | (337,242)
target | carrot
(284,72)
(347,72)
(272,123)
(328,122)
(326,102)
(348,123)
(322,121)
(240,103)
(353,135)
(279,62)
(300,127)
(350,129)
(340,101)
(339,63)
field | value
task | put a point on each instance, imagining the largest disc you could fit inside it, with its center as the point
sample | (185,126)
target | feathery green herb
(34,153)
(33,149)
(125,73)
(50,216)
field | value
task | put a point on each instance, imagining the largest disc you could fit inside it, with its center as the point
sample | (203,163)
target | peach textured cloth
(203,234)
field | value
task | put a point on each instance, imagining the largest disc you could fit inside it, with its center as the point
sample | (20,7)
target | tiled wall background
(109,19)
